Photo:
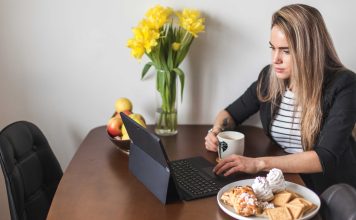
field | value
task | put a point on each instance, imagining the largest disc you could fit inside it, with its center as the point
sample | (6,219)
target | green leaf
(180,74)
(170,58)
(145,69)
(163,62)
(170,40)
(160,81)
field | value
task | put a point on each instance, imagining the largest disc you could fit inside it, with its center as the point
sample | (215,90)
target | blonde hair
(312,52)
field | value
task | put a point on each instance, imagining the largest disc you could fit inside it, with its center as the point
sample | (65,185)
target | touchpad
(209,172)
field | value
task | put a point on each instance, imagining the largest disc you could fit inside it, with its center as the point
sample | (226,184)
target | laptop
(186,179)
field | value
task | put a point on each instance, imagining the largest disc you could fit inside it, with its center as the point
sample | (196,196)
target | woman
(307,104)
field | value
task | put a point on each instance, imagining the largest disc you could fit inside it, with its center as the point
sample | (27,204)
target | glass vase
(166,100)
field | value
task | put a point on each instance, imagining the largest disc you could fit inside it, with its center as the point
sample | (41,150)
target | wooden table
(98,185)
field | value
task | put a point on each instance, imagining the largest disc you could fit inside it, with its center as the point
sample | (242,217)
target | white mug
(230,142)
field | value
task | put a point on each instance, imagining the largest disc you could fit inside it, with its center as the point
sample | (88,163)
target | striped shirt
(285,128)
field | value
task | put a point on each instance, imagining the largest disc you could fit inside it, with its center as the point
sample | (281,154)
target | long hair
(312,52)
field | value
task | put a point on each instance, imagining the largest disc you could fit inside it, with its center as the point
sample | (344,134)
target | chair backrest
(339,202)
(31,170)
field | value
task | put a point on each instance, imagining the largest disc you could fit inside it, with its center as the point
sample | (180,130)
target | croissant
(242,199)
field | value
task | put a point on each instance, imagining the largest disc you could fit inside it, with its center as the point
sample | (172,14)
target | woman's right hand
(211,141)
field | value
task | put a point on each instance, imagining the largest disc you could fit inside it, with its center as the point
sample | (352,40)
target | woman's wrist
(215,130)
(261,164)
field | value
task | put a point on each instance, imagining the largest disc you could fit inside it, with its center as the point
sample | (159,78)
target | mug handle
(219,150)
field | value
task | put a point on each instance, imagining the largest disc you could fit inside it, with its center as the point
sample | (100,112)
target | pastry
(245,203)
(242,199)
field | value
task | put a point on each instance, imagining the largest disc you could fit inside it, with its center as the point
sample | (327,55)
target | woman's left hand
(236,163)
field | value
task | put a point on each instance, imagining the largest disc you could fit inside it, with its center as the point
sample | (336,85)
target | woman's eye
(272,48)
(286,51)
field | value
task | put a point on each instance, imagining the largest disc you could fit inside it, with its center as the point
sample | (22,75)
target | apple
(123,104)
(140,122)
(123,130)
(125,137)
(137,116)
(114,126)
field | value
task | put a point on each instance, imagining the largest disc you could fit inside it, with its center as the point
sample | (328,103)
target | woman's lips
(279,70)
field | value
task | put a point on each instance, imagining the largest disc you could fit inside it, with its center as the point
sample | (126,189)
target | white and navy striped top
(285,128)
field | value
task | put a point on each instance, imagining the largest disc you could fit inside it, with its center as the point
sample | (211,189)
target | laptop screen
(145,140)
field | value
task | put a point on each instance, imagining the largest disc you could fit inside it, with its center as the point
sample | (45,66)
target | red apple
(114,126)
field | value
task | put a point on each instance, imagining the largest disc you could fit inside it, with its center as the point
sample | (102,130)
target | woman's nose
(276,57)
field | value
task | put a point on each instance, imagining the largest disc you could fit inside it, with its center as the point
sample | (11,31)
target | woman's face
(281,59)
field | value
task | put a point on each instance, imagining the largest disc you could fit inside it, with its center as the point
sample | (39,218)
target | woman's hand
(223,121)
(211,141)
(236,163)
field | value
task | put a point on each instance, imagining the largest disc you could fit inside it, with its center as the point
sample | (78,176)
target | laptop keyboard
(192,182)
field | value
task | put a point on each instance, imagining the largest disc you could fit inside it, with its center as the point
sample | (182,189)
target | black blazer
(335,145)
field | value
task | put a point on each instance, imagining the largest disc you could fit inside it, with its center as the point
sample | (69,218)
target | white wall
(63,63)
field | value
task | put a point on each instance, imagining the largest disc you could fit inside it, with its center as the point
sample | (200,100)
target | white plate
(301,190)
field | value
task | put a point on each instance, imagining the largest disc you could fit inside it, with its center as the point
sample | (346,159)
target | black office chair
(338,202)
(31,170)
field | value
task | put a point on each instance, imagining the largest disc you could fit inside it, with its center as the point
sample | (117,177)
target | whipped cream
(276,180)
(262,189)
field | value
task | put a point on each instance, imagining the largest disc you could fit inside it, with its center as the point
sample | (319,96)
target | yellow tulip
(157,16)
(191,21)
(150,37)
(137,49)
(143,41)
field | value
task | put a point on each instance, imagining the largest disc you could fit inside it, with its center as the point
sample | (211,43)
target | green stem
(167,88)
